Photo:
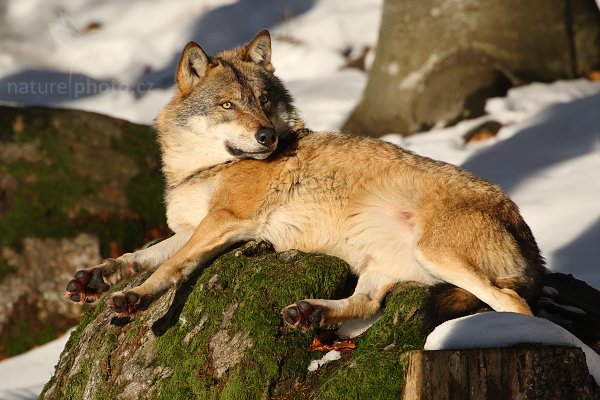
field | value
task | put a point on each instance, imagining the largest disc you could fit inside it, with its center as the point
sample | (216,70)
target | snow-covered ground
(118,58)
(24,376)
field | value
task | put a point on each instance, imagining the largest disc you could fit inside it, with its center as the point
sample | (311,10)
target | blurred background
(509,90)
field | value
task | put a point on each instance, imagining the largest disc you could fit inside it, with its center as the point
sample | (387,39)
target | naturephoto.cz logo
(74,87)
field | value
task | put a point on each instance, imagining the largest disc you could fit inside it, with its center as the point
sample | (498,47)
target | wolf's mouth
(239,153)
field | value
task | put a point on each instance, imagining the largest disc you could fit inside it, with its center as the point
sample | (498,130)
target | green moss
(402,322)
(261,287)
(19,338)
(145,191)
(80,162)
(48,186)
(380,361)
(41,204)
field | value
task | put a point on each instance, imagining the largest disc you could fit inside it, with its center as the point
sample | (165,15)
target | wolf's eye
(263,98)
(227,105)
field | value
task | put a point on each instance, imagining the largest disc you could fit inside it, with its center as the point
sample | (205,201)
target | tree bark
(437,61)
(531,373)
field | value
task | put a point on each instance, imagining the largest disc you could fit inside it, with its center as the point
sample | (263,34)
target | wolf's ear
(192,67)
(259,50)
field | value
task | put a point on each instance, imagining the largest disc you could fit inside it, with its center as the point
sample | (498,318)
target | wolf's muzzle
(266,136)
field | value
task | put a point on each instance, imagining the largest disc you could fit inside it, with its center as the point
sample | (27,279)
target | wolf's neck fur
(184,153)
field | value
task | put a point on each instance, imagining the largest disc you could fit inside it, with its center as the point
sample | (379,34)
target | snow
(331,355)
(118,58)
(125,67)
(496,329)
(24,376)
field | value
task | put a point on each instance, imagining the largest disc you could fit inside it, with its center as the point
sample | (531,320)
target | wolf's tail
(447,302)
(560,298)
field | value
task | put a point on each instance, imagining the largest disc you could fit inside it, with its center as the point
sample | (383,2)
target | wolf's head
(226,107)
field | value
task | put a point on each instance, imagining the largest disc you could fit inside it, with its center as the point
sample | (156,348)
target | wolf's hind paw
(303,315)
(127,303)
(86,287)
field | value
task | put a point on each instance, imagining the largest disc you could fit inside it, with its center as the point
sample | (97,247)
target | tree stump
(527,373)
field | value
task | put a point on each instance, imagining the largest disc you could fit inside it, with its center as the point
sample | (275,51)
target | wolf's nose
(266,136)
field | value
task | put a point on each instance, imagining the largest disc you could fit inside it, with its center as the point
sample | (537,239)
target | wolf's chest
(188,204)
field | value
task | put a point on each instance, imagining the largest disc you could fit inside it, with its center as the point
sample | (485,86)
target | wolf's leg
(216,231)
(371,288)
(453,270)
(89,283)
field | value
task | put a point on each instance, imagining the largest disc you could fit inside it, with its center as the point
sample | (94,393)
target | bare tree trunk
(438,60)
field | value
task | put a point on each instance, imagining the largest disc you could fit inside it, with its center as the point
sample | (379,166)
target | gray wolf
(240,164)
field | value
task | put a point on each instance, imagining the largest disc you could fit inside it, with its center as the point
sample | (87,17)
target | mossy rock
(221,335)
(63,172)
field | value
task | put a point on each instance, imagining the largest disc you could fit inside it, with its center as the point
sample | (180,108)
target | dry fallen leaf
(482,132)
(481,136)
(326,341)
(594,76)
(115,250)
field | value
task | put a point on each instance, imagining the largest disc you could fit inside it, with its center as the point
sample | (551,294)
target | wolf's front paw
(129,302)
(304,315)
(87,286)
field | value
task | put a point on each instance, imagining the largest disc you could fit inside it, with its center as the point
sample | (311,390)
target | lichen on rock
(227,350)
